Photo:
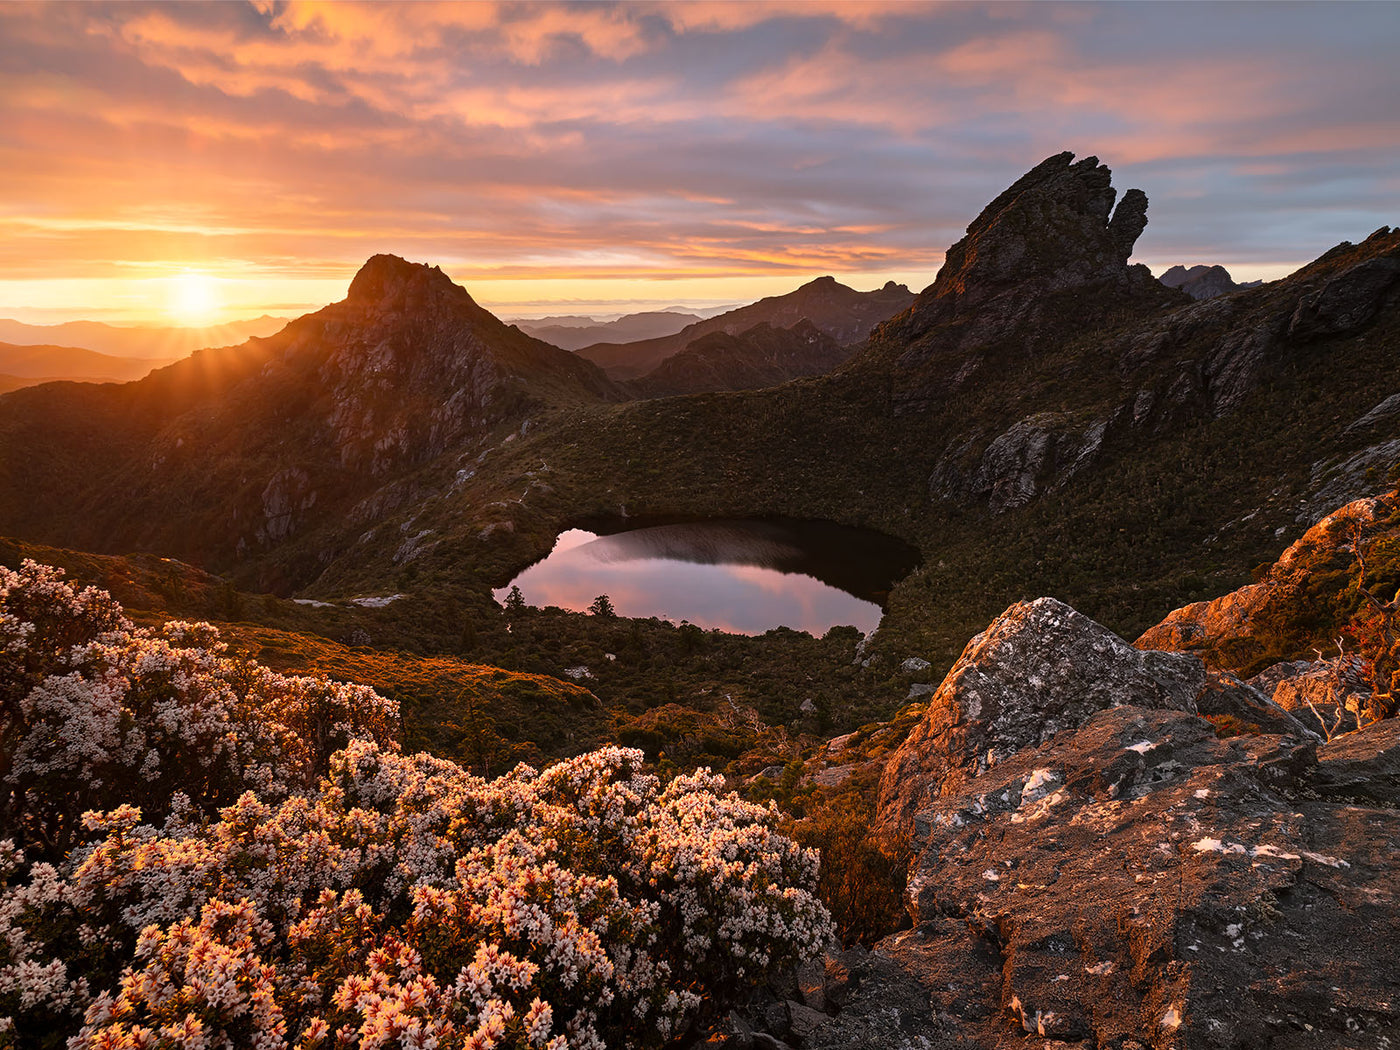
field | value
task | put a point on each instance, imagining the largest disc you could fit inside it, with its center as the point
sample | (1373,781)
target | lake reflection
(741,576)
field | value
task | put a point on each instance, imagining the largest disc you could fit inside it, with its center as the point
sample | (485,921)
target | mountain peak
(1053,231)
(1056,222)
(387,280)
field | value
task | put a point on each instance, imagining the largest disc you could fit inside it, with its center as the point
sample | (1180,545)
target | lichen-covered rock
(1039,668)
(1128,878)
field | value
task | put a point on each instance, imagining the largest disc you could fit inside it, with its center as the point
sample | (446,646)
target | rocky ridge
(840,312)
(1053,241)
(1171,366)
(1203,282)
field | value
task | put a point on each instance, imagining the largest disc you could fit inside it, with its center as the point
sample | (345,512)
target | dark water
(742,576)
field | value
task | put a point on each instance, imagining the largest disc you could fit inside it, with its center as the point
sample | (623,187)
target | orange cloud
(652,143)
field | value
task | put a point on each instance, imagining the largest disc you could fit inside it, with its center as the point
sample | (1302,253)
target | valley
(1057,444)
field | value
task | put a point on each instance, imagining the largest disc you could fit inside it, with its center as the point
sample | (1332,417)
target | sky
(200,162)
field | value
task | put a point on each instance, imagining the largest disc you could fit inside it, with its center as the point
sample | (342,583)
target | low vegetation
(205,852)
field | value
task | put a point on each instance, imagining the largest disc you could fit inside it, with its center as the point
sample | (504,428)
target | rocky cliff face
(1050,245)
(1098,868)
(1040,288)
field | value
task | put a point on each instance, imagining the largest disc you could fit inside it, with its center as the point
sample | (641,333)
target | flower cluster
(278,875)
(95,713)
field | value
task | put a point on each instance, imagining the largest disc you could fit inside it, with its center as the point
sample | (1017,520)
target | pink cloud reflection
(741,599)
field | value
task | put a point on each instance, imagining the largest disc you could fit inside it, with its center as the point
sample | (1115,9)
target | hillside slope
(841,312)
(760,357)
(234,451)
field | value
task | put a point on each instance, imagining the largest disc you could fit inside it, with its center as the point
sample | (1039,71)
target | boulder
(1097,868)
(1362,766)
(1039,668)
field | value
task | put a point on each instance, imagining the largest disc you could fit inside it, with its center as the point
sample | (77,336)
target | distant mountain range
(835,309)
(1203,282)
(153,341)
(22,366)
(565,333)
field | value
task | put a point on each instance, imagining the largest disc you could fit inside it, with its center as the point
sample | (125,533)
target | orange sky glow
(196,163)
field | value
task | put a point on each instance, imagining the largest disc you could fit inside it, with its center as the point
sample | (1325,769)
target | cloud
(668,141)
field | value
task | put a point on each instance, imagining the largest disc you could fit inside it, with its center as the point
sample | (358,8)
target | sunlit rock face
(1096,867)
(1223,630)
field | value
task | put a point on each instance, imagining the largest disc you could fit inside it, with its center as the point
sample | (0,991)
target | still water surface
(742,576)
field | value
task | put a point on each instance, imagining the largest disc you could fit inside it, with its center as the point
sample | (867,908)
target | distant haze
(186,164)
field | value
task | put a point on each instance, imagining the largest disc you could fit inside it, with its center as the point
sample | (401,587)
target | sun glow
(192,297)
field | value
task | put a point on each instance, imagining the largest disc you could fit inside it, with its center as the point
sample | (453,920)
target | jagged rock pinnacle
(1052,225)
(1053,232)
(1128,222)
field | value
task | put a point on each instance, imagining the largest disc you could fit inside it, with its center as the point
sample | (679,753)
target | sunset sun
(192,297)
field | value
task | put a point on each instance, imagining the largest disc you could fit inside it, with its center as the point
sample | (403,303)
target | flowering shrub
(290,880)
(95,713)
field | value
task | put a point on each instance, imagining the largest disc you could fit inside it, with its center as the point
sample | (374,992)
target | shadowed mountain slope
(841,312)
(761,357)
(235,450)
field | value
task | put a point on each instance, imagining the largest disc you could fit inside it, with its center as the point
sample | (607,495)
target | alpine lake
(741,576)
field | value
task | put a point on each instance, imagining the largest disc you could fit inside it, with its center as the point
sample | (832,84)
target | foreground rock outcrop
(1098,868)
(1234,631)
